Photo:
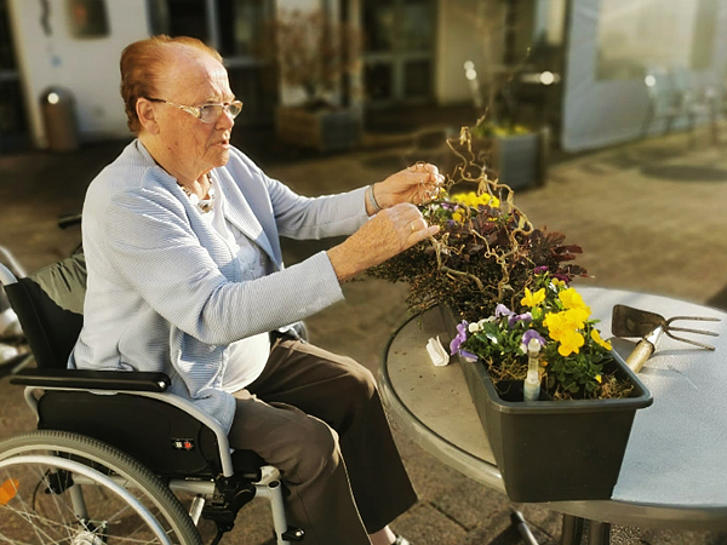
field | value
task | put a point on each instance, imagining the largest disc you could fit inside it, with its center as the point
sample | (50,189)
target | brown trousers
(317,417)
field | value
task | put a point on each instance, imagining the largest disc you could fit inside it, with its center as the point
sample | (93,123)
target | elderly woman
(181,235)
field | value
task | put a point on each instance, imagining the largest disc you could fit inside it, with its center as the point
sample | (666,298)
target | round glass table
(674,472)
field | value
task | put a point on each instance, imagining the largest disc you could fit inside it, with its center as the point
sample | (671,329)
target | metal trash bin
(59,117)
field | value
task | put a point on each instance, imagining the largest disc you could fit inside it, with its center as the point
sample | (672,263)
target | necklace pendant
(203,205)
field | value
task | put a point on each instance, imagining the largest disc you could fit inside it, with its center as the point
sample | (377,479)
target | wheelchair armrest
(140,381)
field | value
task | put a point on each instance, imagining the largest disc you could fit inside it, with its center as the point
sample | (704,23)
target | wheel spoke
(27,513)
(113,500)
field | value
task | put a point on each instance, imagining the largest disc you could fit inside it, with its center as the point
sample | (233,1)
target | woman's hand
(388,233)
(416,184)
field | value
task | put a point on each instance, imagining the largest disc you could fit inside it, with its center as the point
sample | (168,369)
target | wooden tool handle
(640,354)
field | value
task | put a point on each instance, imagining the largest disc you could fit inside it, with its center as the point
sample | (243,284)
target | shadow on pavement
(719,299)
(685,173)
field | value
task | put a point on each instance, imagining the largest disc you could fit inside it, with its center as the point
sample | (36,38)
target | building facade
(413,52)
(595,71)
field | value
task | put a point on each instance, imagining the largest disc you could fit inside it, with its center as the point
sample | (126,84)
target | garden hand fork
(632,322)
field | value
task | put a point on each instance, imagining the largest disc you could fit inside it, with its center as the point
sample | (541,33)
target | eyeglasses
(207,113)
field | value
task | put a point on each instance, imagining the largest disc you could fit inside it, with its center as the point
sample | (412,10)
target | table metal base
(599,533)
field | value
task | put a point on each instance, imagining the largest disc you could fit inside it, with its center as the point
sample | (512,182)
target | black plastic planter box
(555,450)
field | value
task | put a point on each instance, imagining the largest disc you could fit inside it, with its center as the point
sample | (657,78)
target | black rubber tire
(108,460)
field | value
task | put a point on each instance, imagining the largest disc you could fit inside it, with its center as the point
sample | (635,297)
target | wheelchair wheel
(65,488)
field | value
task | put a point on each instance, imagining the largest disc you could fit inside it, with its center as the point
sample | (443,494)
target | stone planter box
(324,129)
(521,159)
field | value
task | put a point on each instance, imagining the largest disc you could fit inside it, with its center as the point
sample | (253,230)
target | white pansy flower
(474,327)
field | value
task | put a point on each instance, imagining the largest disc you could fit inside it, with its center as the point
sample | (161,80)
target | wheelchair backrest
(51,331)
(49,305)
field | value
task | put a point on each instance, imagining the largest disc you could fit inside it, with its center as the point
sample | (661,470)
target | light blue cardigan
(164,291)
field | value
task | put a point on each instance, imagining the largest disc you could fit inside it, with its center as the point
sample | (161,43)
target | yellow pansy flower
(598,378)
(533,299)
(570,342)
(553,321)
(571,299)
(457,216)
(473,200)
(565,320)
(563,327)
(596,336)
(577,317)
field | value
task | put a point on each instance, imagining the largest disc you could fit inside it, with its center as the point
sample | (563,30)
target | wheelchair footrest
(231,494)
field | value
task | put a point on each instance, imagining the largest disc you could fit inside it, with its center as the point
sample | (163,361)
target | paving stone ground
(649,215)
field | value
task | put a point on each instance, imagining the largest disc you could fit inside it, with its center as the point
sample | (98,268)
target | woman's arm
(151,245)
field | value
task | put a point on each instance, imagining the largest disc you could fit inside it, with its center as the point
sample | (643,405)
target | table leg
(572,530)
(517,520)
(599,533)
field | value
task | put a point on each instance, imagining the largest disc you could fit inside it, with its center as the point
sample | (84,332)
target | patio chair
(666,101)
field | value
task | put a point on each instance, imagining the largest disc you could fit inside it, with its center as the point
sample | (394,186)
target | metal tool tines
(632,322)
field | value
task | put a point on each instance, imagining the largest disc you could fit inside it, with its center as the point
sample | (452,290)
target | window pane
(88,18)
(242,23)
(11,108)
(416,25)
(704,32)
(7,57)
(638,38)
(417,79)
(379,25)
(378,81)
(256,87)
(187,18)
(548,18)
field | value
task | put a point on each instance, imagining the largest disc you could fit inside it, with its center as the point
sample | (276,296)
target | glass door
(398,50)
(13,127)
(243,25)
(236,29)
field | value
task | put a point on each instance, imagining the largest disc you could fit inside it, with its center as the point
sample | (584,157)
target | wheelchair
(114,454)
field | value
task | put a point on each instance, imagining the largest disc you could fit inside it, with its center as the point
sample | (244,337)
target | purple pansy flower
(501,310)
(529,335)
(460,338)
(469,356)
(541,269)
(515,318)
